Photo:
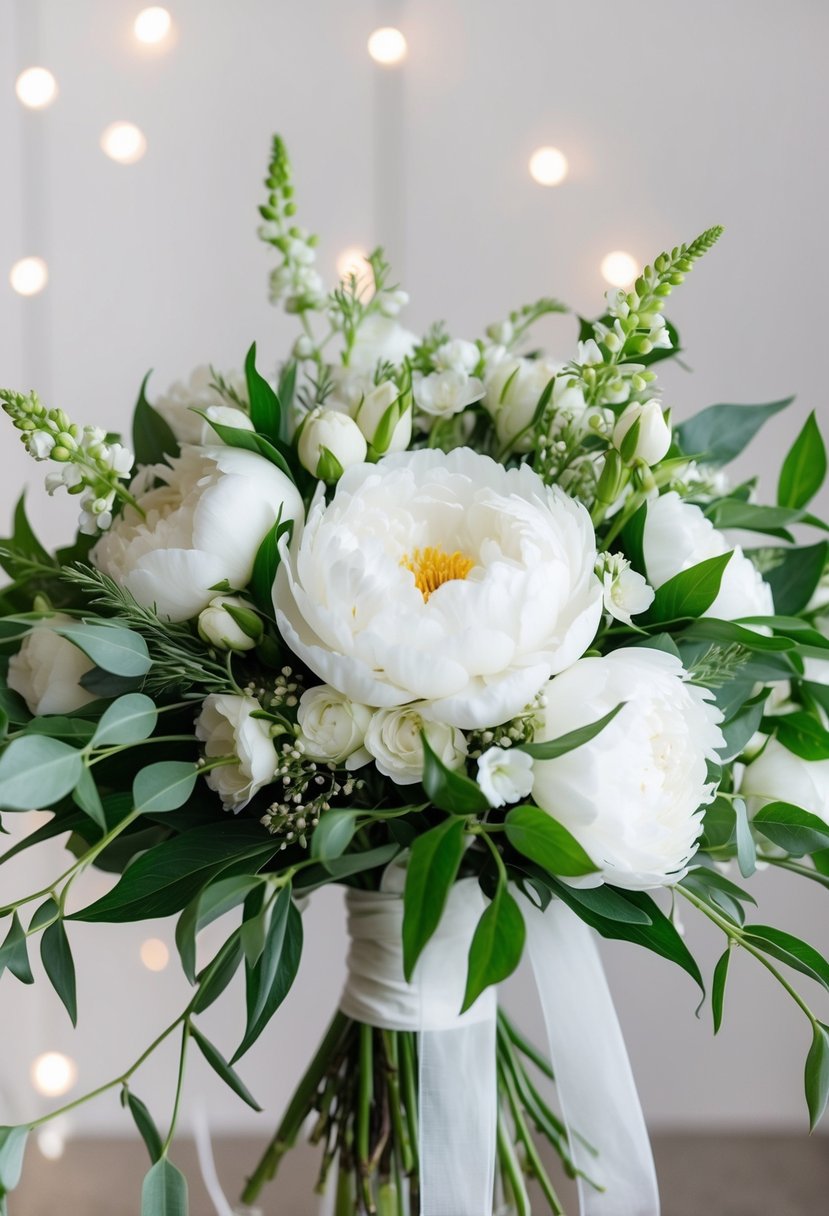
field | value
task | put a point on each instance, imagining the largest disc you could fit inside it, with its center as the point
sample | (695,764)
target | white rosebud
(457,356)
(505,775)
(394,739)
(443,394)
(228,729)
(333,727)
(513,390)
(329,443)
(47,669)
(230,624)
(654,435)
(384,419)
(626,592)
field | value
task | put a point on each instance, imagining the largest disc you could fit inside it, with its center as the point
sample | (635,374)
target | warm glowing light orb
(352,261)
(51,1142)
(548,166)
(619,268)
(388,46)
(154,954)
(152,25)
(124,142)
(29,276)
(36,88)
(54,1074)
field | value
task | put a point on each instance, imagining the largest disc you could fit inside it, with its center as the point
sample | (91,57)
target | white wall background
(673,117)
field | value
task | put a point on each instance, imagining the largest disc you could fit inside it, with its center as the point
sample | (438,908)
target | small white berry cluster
(518,730)
(308,789)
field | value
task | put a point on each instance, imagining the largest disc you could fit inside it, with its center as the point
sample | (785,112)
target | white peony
(443,394)
(395,740)
(633,795)
(228,729)
(332,727)
(778,775)
(653,438)
(678,536)
(201,526)
(505,774)
(442,578)
(513,389)
(47,669)
(380,340)
(333,432)
(176,407)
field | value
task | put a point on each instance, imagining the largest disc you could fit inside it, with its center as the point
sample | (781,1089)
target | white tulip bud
(330,442)
(653,435)
(385,419)
(303,347)
(230,624)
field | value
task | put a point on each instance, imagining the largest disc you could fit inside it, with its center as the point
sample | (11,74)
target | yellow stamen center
(432,567)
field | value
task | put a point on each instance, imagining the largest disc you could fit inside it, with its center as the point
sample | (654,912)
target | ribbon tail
(594,1080)
(458,1117)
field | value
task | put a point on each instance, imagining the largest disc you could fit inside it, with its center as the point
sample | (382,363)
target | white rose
(381,340)
(779,775)
(201,526)
(218,626)
(176,407)
(458,355)
(226,728)
(513,389)
(678,536)
(505,774)
(394,739)
(443,394)
(444,578)
(633,795)
(654,435)
(330,431)
(333,727)
(384,418)
(47,669)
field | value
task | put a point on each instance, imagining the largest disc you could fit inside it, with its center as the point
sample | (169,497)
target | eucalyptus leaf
(36,772)
(215,977)
(746,850)
(795,577)
(164,786)
(333,834)
(12,1149)
(120,651)
(213,901)
(802,734)
(164,1191)
(86,796)
(130,719)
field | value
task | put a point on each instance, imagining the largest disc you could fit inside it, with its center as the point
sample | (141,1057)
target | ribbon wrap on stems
(458,1096)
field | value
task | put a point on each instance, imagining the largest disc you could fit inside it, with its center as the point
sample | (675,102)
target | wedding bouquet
(463,628)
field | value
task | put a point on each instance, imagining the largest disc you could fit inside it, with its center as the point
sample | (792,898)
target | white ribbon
(594,1080)
(458,1098)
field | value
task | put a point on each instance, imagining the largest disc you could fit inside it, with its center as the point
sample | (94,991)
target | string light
(51,1142)
(54,1074)
(152,25)
(352,261)
(154,954)
(29,276)
(388,46)
(548,166)
(124,142)
(619,268)
(36,88)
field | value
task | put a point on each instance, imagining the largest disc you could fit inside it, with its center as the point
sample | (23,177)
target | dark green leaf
(59,966)
(720,433)
(790,950)
(689,593)
(632,539)
(553,748)
(350,864)
(146,1126)
(280,960)
(795,577)
(36,772)
(816,1077)
(265,970)
(754,517)
(802,734)
(152,438)
(249,441)
(265,566)
(164,786)
(739,729)
(333,835)
(746,850)
(728,631)
(117,650)
(448,790)
(433,867)
(718,988)
(12,1149)
(496,947)
(211,902)
(611,904)
(220,1066)
(215,977)
(791,828)
(164,1192)
(535,834)
(804,468)
(13,953)
(265,409)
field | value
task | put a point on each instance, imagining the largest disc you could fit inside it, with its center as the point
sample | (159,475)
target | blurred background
(500,153)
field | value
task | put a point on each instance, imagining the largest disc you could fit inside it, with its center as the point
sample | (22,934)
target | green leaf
(448,790)
(36,772)
(720,433)
(265,565)
(70,730)
(270,981)
(816,1078)
(727,631)
(753,517)
(13,953)
(608,902)
(162,880)
(130,719)
(496,947)
(689,593)
(718,988)
(152,438)
(802,734)
(86,796)
(12,1149)
(804,468)
(213,901)
(146,1126)
(433,866)
(220,1066)
(347,866)
(215,977)
(535,834)
(122,652)
(553,748)
(265,409)
(746,850)
(333,835)
(164,1192)
(790,950)
(794,579)
(59,966)
(164,786)
(328,466)
(632,538)
(249,441)
(791,828)
(737,731)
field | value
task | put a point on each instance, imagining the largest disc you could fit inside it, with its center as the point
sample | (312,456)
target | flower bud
(228,623)
(648,430)
(385,419)
(330,442)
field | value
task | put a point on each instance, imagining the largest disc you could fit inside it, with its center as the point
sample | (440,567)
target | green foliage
(803,735)
(36,771)
(269,981)
(144,1122)
(497,945)
(265,407)
(333,835)
(720,433)
(60,967)
(12,1149)
(536,835)
(164,1191)
(213,901)
(117,650)
(553,748)
(789,950)
(13,953)
(718,988)
(795,576)
(804,468)
(816,1077)
(152,438)
(746,850)
(791,828)
(265,566)
(221,1067)
(690,593)
(130,719)
(249,441)
(448,790)
(164,786)
(433,867)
